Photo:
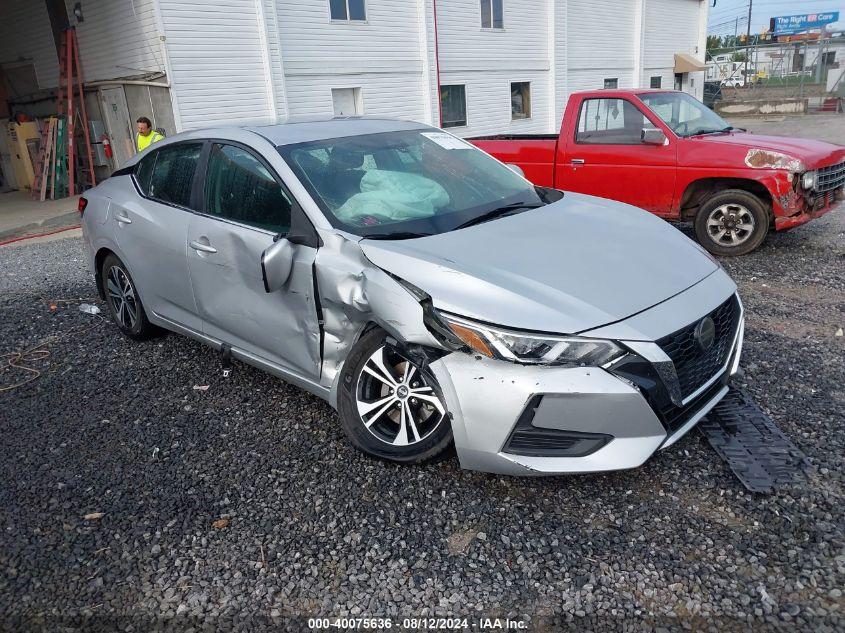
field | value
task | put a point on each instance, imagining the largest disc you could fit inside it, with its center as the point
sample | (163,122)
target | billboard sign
(791,24)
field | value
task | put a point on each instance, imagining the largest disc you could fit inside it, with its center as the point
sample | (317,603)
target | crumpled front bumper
(486,397)
(489,400)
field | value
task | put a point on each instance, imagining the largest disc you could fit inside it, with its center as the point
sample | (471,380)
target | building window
(347,102)
(492,14)
(521,100)
(656,81)
(611,83)
(453,105)
(347,10)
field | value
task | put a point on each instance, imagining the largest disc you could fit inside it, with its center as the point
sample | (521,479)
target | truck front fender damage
(767,159)
(784,171)
(352,293)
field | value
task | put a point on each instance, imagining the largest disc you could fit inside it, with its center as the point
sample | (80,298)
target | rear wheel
(389,406)
(733,222)
(123,300)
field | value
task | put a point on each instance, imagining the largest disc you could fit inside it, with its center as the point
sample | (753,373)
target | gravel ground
(239,505)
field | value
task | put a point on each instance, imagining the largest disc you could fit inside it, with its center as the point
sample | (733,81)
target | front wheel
(389,406)
(733,222)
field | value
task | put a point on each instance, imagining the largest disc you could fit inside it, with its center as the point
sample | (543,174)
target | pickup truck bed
(533,153)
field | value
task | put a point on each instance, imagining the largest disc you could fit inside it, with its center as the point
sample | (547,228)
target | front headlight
(808,180)
(531,349)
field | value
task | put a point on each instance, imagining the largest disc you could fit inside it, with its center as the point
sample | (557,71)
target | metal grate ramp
(756,450)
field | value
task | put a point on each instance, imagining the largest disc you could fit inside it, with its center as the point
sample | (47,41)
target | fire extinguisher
(106,145)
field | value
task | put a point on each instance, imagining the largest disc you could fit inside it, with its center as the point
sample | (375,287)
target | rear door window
(144,172)
(173,173)
(239,187)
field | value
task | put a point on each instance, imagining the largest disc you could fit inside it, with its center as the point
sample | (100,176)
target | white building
(502,66)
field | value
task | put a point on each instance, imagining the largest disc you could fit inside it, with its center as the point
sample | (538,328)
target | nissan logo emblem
(705,333)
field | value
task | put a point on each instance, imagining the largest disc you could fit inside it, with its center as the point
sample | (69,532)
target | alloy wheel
(395,401)
(730,224)
(122,297)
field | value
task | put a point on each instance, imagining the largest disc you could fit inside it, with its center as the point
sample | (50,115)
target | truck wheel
(733,222)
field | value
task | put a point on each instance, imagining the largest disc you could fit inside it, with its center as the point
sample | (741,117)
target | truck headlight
(808,180)
(530,348)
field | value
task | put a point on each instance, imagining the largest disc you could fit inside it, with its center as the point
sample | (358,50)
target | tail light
(83,202)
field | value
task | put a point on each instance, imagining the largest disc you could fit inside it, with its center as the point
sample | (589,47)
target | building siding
(601,41)
(118,38)
(662,43)
(242,61)
(218,69)
(486,61)
(381,55)
(26,37)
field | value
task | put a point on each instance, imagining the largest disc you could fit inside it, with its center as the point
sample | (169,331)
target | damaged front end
(354,295)
(798,194)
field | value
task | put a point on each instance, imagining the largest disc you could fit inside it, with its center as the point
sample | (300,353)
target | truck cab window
(610,122)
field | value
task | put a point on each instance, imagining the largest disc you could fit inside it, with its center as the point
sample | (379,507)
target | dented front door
(224,261)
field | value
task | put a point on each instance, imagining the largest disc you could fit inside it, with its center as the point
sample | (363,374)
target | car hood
(567,267)
(811,152)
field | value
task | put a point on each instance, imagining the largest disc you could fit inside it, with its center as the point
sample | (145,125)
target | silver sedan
(429,293)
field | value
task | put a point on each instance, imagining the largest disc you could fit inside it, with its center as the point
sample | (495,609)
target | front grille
(823,200)
(642,374)
(674,417)
(694,365)
(830,178)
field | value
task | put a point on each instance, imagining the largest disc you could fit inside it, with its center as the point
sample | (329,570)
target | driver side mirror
(652,136)
(276,264)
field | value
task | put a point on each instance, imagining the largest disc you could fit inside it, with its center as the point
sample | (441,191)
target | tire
(377,430)
(732,222)
(123,300)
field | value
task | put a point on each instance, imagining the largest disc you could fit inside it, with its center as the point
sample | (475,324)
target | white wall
(661,43)
(117,38)
(381,55)
(25,32)
(486,61)
(601,40)
(219,63)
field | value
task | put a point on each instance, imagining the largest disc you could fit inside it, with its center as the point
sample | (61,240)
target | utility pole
(747,42)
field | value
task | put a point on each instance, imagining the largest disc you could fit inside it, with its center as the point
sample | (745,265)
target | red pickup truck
(668,153)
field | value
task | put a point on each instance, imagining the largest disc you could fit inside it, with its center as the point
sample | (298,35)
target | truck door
(605,156)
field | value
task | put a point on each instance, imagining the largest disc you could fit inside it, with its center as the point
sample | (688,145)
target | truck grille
(694,365)
(830,178)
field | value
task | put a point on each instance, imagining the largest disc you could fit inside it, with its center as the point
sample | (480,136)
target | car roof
(316,129)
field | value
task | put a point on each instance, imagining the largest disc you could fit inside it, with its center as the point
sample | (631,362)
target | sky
(723,15)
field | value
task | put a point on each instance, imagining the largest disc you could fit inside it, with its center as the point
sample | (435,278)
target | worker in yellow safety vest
(146,134)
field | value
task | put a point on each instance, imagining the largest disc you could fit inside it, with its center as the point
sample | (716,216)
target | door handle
(123,218)
(202,248)
(577,161)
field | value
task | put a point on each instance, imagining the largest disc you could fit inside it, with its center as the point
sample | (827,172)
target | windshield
(405,183)
(686,115)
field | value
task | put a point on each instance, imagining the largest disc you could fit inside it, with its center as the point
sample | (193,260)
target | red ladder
(70,69)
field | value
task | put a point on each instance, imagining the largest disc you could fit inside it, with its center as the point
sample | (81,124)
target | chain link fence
(783,77)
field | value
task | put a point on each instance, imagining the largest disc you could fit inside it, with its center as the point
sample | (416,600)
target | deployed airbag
(395,195)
